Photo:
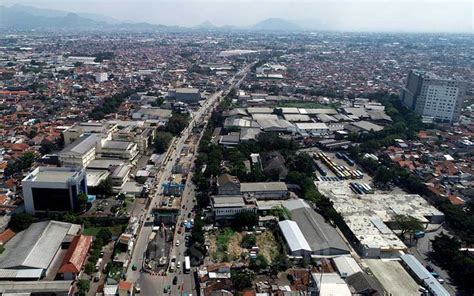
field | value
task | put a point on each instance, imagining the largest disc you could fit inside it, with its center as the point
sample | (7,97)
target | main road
(154,284)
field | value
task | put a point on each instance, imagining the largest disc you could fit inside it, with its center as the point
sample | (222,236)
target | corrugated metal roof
(263,186)
(424,275)
(293,236)
(36,246)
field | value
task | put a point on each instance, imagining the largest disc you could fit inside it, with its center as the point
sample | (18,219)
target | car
(134,267)
(166,289)
(189,215)
(429,268)
(175,280)
(178,265)
(173,259)
(177,243)
(440,280)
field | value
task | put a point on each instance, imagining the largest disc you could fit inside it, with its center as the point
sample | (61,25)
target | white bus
(187,264)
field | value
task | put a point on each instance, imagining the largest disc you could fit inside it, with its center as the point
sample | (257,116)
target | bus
(187,264)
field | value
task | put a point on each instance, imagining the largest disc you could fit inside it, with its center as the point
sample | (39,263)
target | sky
(346,15)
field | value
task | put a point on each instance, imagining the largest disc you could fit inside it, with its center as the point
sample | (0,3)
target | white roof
(293,236)
(346,265)
(311,125)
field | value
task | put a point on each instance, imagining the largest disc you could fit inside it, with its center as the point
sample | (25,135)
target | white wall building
(430,95)
(101,77)
(53,189)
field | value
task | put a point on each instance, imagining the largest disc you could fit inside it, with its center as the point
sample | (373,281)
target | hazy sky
(355,15)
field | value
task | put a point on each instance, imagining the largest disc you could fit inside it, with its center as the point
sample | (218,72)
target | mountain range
(21,17)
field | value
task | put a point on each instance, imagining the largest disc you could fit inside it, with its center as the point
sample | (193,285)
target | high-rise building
(432,96)
(53,189)
(101,77)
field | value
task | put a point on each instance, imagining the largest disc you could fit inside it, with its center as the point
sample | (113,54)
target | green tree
(177,123)
(245,219)
(259,263)
(383,175)
(83,287)
(47,147)
(82,201)
(241,279)
(20,221)
(162,141)
(89,268)
(104,234)
(248,241)
(105,187)
(280,263)
(407,224)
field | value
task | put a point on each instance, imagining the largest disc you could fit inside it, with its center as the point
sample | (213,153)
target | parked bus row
(361,188)
(345,158)
(339,170)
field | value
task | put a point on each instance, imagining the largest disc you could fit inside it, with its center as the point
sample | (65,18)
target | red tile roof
(6,236)
(456,200)
(125,286)
(76,254)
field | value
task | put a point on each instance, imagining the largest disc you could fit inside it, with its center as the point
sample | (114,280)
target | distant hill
(207,25)
(20,17)
(275,24)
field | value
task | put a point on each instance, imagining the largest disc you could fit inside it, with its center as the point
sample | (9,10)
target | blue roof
(424,275)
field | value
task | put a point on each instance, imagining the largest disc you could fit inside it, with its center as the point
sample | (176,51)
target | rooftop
(228,201)
(82,145)
(318,233)
(293,236)
(263,186)
(36,246)
(52,174)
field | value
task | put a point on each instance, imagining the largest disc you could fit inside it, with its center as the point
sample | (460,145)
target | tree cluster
(162,141)
(109,105)
(20,164)
(460,265)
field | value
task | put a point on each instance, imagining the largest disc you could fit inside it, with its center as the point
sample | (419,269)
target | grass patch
(93,230)
(223,239)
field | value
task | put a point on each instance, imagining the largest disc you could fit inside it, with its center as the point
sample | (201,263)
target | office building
(101,77)
(53,189)
(79,153)
(434,97)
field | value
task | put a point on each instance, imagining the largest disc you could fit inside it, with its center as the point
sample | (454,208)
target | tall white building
(101,77)
(432,96)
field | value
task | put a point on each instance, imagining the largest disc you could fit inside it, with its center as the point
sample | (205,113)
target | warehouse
(312,128)
(35,248)
(264,190)
(367,216)
(294,238)
(323,239)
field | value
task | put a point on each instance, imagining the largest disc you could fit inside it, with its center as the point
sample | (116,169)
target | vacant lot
(225,246)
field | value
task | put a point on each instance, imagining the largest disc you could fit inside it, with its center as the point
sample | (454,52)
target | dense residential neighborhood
(204,162)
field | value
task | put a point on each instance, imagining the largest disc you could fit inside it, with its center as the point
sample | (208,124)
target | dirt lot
(225,246)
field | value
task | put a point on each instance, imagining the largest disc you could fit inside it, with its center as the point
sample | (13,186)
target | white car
(178,265)
(177,243)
